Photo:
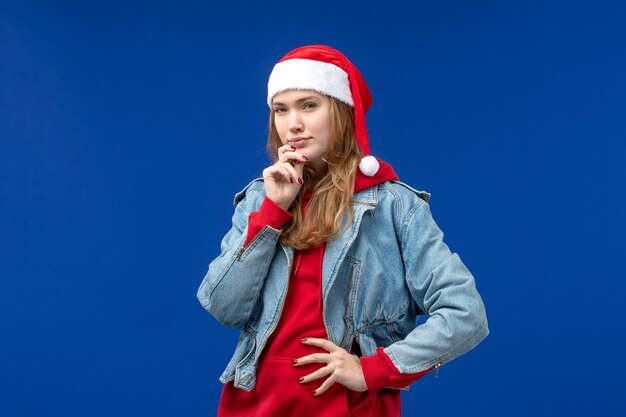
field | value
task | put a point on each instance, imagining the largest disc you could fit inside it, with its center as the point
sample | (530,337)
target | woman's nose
(295,122)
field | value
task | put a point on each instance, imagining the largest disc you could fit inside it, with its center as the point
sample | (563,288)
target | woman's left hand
(342,367)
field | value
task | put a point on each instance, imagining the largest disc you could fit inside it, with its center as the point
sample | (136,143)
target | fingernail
(304,339)
(301,379)
(305,158)
(295,361)
(300,180)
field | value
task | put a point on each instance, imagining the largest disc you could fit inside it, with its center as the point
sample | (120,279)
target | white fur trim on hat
(369,165)
(307,74)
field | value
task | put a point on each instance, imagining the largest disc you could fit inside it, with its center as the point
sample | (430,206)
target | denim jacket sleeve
(231,288)
(444,289)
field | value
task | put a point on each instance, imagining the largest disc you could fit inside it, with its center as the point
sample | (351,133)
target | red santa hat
(327,71)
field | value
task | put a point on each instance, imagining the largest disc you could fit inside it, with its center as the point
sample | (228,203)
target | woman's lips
(299,142)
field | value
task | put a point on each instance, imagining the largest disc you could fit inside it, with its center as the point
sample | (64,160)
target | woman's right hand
(283,180)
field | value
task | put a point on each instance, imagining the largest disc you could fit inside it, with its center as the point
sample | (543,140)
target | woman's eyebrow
(276,103)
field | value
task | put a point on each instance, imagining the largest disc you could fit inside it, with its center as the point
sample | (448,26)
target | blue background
(127,127)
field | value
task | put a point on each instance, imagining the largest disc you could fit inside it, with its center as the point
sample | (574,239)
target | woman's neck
(320,167)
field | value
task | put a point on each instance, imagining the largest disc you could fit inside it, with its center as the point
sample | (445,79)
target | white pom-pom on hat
(326,70)
(369,165)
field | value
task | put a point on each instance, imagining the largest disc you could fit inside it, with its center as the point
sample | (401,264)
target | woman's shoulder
(255,188)
(399,190)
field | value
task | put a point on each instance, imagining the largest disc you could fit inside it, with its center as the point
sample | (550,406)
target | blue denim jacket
(387,269)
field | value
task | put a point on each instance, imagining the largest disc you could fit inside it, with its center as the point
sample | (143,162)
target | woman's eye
(278,110)
(309,105)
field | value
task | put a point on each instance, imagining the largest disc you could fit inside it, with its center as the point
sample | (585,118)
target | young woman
(329,262)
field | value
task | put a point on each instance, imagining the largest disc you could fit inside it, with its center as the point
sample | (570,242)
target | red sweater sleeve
(270,214)
(380,372)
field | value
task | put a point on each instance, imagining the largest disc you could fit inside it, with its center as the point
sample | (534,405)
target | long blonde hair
(332,194)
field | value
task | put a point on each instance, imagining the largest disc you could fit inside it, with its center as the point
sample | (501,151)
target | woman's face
(302,120)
